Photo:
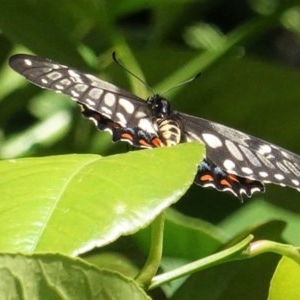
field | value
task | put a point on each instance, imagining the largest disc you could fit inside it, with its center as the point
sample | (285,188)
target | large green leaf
(285,282)
(73,203)
(53,276)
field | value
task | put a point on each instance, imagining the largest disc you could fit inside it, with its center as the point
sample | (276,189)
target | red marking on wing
(233,177)
(157,142)
(206,177)
(225,182)
(126,136)
(144,143)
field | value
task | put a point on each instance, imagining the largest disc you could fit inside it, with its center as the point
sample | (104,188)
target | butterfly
(235,161)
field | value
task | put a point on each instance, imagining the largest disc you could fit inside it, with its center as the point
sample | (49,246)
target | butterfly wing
(243,155)
(111,108)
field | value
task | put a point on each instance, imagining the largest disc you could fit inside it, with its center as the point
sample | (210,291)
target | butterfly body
(235,161)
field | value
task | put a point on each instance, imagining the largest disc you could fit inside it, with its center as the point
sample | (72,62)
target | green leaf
(73,203)
(53,276)
(285,282)
(114,261)
(260,212)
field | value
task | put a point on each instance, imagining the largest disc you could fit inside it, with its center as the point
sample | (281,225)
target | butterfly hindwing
(210,175)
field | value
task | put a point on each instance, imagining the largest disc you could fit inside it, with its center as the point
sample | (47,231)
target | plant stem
(232,253)
(264,246)
(155,252)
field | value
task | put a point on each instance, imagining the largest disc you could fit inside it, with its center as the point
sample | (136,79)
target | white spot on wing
(59,86)
(140,114)
(233,149)
(81,87)
(247,170)
(95,93)
(56,66)
(228,164)
(95,81)
(73,73)
(128,106)
(106,111)
(65,82)
(263,174)
(146,125)
(74,94)
(264,149)
(90,102)
(28,62)
(295,182)
(211,140)
(109,99)
(285,154)
(121,118)
(54,75)
(279,176)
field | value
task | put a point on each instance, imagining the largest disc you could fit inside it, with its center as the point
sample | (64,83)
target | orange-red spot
(233,177)
(226,183)
(206,178)
(157,142)
(144,143)
(126,136)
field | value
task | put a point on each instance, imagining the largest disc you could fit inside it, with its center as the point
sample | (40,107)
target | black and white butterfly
(235,161)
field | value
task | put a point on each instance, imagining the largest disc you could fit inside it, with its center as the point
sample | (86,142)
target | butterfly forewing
(100,96)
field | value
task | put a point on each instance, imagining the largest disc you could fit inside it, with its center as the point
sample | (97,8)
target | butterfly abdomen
(169,131)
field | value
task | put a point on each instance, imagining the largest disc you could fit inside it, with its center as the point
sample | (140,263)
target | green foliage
(284,284)
(102,197)
(101,206)
(53,276)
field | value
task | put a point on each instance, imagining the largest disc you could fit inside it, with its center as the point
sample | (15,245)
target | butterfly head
(160,107)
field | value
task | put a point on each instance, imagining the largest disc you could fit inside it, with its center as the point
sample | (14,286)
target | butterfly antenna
(182,83)
(114,56)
